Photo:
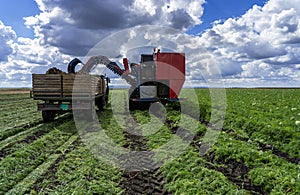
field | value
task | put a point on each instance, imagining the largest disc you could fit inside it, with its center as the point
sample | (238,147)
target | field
(257,151)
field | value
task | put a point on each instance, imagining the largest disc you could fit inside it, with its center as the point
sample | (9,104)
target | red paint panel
(177,71)
(162,71)
(162,66)
(175,88)
(170,66)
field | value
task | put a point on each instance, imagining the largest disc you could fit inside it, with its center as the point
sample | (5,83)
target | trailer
(57,92)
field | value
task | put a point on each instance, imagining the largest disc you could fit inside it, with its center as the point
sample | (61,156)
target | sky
(234,43)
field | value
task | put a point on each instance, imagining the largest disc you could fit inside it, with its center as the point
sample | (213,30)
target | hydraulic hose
(72,65)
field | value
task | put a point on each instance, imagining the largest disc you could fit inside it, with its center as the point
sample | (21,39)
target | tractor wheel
(48,115)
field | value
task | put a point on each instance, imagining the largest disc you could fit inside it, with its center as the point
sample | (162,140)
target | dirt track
(14,91)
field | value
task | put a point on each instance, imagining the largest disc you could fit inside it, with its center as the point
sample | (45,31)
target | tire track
(236,172)
(150,181)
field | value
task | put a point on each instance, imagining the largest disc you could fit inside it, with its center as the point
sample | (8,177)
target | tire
(132,105)
(106,94)
(100,103)
(144,105)
(48,115)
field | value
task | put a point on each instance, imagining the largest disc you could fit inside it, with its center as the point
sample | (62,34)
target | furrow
(262,146)
(141,182)
(42,170)
(236,172)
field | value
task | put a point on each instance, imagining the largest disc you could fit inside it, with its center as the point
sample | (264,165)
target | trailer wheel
(100,103)
(106,94)
(48,115)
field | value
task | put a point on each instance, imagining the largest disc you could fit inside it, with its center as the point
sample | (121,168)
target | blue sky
(250,42)
(12,13)
(221,10)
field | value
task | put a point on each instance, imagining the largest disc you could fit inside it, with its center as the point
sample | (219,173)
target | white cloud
(143,7)
(26,56)
(257,69)
(76,26)
(7,36)
(264,43)
(259,48)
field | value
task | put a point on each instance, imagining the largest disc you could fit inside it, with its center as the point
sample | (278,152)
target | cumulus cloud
(76,26)
(71,28)
(7,36)
(262,44)
(259,48)
(29,56)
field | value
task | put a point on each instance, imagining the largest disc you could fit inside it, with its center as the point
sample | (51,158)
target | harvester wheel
(132,105)
(48,115)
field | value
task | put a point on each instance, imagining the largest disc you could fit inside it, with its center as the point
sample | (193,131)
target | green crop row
(25,136)
(28,159)
(50,163)
(10,115)
(187,174)
(26,103)
(78,172)
(15,128)
(16,166)
(266,116)
(112,128)
(13,97)
(17,102)
(20,119)
(16,115)
(267,170)
(25,186)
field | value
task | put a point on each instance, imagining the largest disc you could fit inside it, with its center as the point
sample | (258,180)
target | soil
(236,172)
(142,182)
(265,147)
(14,91)
(50,173)
(8,149)
(279,153)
